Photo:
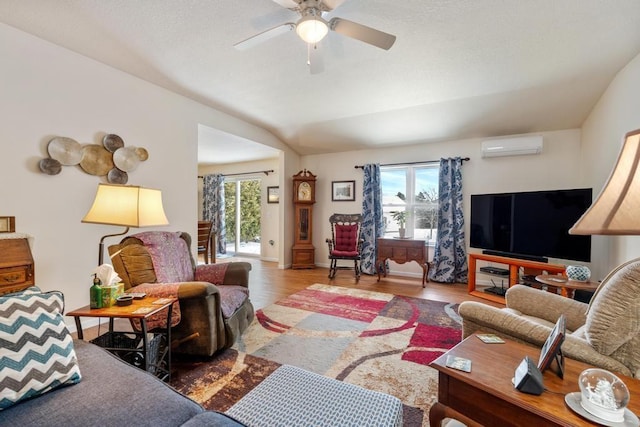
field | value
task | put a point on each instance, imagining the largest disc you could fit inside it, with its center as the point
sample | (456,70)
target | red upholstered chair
(345,242)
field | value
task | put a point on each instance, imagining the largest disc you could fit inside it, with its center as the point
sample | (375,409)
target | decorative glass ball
(603,394)
(579,273)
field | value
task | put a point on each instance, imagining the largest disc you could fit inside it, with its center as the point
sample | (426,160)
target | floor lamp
(127,206)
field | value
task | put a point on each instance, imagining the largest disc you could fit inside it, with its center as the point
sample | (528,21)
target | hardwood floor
(269,284)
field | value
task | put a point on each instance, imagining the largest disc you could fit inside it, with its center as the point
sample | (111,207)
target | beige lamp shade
(616,211)
(127,205)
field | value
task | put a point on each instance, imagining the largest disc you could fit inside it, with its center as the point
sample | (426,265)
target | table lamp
(125,205)
(615,211)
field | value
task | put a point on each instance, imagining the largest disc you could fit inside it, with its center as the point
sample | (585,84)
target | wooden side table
(147,350)
(567,287)
(401,251)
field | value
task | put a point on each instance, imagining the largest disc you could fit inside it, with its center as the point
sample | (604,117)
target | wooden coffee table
(487,395)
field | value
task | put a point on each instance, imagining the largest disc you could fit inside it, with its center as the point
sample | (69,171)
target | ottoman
(293,396)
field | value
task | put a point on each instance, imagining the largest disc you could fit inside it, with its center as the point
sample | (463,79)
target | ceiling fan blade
(332,4)
(363,33)
(289,4)
(264,36)
(315,59)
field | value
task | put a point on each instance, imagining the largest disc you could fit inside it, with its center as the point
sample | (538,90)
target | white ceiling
(218,147)
(459,68)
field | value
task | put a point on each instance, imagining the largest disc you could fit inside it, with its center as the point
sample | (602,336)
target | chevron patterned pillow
(36,349)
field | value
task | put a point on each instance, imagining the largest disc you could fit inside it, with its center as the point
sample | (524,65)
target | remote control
(137,295)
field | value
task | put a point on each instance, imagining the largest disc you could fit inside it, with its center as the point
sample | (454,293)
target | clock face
(304,191)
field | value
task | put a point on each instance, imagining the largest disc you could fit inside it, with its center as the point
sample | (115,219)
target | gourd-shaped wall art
(111,158)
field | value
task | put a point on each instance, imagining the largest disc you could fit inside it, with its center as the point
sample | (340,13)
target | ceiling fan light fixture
(312,28)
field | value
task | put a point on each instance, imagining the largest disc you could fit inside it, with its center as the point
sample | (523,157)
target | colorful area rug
(378,341)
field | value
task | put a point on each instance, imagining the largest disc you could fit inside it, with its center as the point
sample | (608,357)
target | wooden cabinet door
(16,265)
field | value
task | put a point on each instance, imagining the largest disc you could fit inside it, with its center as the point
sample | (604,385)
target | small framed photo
(343,191)
(551,350)
(273,194)
(7,224)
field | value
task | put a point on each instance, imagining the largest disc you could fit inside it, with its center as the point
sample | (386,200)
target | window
(242,215)
(414,190)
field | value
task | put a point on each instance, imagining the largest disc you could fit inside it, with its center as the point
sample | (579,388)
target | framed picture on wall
(343,191)
(7,224)
(273,194)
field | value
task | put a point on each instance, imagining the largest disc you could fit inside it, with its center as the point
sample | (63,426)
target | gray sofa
(115,394)
(111,393)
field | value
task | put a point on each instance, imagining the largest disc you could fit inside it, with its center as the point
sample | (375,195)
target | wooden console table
(402,251)
(514,265)
(487,396)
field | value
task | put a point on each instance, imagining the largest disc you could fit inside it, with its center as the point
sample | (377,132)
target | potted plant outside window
(400,217)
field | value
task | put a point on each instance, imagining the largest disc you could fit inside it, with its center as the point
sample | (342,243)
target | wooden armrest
(439,412)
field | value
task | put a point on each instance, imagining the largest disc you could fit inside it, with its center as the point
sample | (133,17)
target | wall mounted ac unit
(516,146)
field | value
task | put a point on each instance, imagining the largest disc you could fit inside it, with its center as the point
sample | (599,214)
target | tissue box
(111,293)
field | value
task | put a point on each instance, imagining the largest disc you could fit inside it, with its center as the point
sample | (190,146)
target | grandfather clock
(304,196)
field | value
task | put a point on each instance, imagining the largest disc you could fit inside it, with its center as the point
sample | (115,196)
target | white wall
(616,113)
(270,212)
(49,91)
(558,167)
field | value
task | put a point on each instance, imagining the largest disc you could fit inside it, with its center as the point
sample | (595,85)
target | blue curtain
(450,256)
(213,208)
(372,219)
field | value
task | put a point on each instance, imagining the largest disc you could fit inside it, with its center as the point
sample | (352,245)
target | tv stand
(514,265)
(518,256)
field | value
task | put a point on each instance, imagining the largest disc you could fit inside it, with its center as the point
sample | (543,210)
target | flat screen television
(531,225)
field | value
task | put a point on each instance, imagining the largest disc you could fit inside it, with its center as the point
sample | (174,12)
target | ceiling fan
(312,27)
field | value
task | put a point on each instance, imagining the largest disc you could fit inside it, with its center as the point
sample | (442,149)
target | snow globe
(603,394)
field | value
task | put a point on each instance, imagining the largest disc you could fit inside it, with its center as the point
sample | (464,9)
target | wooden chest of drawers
(16,265)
